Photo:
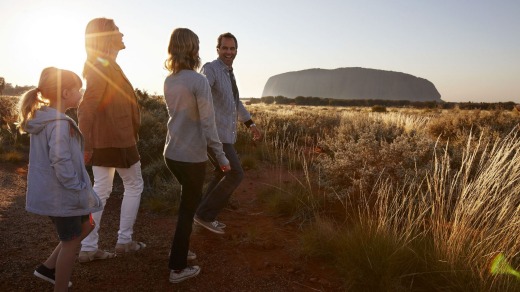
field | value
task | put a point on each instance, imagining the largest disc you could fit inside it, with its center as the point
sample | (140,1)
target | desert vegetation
(396,199)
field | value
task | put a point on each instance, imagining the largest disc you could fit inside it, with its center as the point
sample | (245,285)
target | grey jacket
(227,110)
(57,182)
(191,123)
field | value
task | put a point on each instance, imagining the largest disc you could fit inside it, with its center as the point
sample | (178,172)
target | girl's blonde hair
(99,36)
(50,87)
(183,51)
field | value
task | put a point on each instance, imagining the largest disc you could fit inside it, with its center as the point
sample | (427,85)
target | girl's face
(72,96)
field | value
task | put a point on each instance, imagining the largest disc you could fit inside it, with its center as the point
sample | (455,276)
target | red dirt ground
(259,252)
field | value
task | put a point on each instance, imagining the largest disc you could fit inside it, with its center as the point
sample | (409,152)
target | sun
(50,35)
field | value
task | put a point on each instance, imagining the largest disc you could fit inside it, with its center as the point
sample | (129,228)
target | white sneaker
(186,273)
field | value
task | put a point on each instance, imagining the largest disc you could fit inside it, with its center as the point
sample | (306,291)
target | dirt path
(257,253)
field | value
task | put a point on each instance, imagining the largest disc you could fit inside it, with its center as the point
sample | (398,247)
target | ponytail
(27,107)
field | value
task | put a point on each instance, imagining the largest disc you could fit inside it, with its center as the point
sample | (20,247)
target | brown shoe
(88,256)
(133,246)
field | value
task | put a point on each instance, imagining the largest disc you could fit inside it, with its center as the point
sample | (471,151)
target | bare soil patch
(259,252)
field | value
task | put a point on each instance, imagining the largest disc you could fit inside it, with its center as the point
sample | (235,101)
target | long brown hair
(183,51)
(99,36)
(50,87)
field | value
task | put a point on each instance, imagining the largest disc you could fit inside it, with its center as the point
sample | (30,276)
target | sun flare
(50,36)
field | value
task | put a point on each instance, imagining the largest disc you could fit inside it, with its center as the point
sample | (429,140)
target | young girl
(191,130)
(58,184)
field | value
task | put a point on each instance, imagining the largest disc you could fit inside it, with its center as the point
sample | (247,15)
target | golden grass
(427,203)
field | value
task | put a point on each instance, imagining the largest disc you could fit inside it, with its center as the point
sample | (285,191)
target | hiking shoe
(88,256)
(186,273)
(211,226)
(47,274)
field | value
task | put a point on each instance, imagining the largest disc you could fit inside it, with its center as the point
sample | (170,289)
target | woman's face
(117,39)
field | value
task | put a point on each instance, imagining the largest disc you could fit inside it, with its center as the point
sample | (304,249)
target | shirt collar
(224,65)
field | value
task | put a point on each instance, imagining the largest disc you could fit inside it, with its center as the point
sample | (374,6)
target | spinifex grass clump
(477,205)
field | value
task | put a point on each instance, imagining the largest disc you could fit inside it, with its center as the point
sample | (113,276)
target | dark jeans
(191,178)
(222,186)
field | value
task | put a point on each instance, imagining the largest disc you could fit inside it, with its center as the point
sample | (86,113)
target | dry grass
(429,198)
(424,207)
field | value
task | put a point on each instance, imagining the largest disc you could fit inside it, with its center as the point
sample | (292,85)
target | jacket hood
(42,117)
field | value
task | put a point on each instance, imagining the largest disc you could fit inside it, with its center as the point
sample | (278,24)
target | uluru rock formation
(351,83)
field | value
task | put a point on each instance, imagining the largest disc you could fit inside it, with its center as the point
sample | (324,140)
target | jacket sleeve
(60,155)
(97,81)
(207,119)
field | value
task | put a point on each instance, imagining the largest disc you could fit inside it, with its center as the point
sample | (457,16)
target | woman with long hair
(109,117)
(191,130)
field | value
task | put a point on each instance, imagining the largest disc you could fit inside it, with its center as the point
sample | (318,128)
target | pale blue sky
(470,50)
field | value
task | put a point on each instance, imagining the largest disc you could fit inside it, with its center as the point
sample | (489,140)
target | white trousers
(133,184)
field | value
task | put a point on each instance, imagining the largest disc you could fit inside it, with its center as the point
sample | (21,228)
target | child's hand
(225,168)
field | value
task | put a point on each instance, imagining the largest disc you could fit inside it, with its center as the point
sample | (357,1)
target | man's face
(227,51)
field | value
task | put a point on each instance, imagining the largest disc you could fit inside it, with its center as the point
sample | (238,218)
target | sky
(469,49)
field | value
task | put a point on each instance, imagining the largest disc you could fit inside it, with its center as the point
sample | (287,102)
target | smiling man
(229,110)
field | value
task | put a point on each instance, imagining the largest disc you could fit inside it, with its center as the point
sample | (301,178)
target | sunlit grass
(421,211)
(397,200)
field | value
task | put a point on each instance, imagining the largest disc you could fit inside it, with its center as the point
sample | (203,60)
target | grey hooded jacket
(57,182)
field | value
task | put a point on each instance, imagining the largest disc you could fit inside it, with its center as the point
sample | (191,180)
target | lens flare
(499,265)
(103,61)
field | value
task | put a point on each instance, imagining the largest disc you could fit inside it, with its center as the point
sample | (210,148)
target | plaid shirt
(227,111)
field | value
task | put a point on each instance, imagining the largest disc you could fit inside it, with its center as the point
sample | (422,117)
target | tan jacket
(108,114)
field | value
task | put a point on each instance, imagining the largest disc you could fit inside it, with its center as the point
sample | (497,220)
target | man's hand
(225,168)
(257,135)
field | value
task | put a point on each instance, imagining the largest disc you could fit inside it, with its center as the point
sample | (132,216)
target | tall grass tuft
(475,213)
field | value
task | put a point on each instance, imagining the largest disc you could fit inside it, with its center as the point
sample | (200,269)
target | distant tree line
(319,101)
(8,89)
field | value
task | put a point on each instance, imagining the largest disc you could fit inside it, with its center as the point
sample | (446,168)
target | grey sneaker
(211,226)
(186,273)
(220,224)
